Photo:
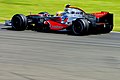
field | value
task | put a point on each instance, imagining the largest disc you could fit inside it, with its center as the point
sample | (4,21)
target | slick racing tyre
(80,27)
(19,22)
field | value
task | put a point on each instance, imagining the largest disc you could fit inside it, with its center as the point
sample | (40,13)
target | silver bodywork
(8,23)
(72,14)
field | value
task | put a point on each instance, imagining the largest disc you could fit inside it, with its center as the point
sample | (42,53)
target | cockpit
(74,12)
(71,13)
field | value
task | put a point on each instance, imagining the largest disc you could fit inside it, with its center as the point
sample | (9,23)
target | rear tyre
(19,22)
(80,27)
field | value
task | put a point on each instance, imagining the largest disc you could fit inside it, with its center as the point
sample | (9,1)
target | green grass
(10,7)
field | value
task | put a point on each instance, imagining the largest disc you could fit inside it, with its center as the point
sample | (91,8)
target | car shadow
(8,28)
(56,32)
(65,32)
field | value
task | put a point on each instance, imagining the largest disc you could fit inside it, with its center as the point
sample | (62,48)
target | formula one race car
(72,19)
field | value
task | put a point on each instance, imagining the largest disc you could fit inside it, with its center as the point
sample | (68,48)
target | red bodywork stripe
(56,25)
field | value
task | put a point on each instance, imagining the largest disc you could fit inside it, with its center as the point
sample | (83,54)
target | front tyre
(19,22)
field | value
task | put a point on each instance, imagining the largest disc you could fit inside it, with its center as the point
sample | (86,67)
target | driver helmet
(59,13)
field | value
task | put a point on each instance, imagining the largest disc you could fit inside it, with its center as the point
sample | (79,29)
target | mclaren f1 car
(72,19)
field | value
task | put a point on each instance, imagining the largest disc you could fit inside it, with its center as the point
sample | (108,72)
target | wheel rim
(19,22)
(16,21)
(77,28)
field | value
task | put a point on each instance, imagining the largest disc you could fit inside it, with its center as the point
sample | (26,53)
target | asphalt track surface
(30,55)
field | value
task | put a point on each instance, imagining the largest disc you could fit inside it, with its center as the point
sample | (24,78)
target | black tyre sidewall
(80,26)
(19,22)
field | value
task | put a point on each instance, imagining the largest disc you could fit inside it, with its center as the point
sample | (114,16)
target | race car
(72,19)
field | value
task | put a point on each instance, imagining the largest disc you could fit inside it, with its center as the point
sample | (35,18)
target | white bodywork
(72,14)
